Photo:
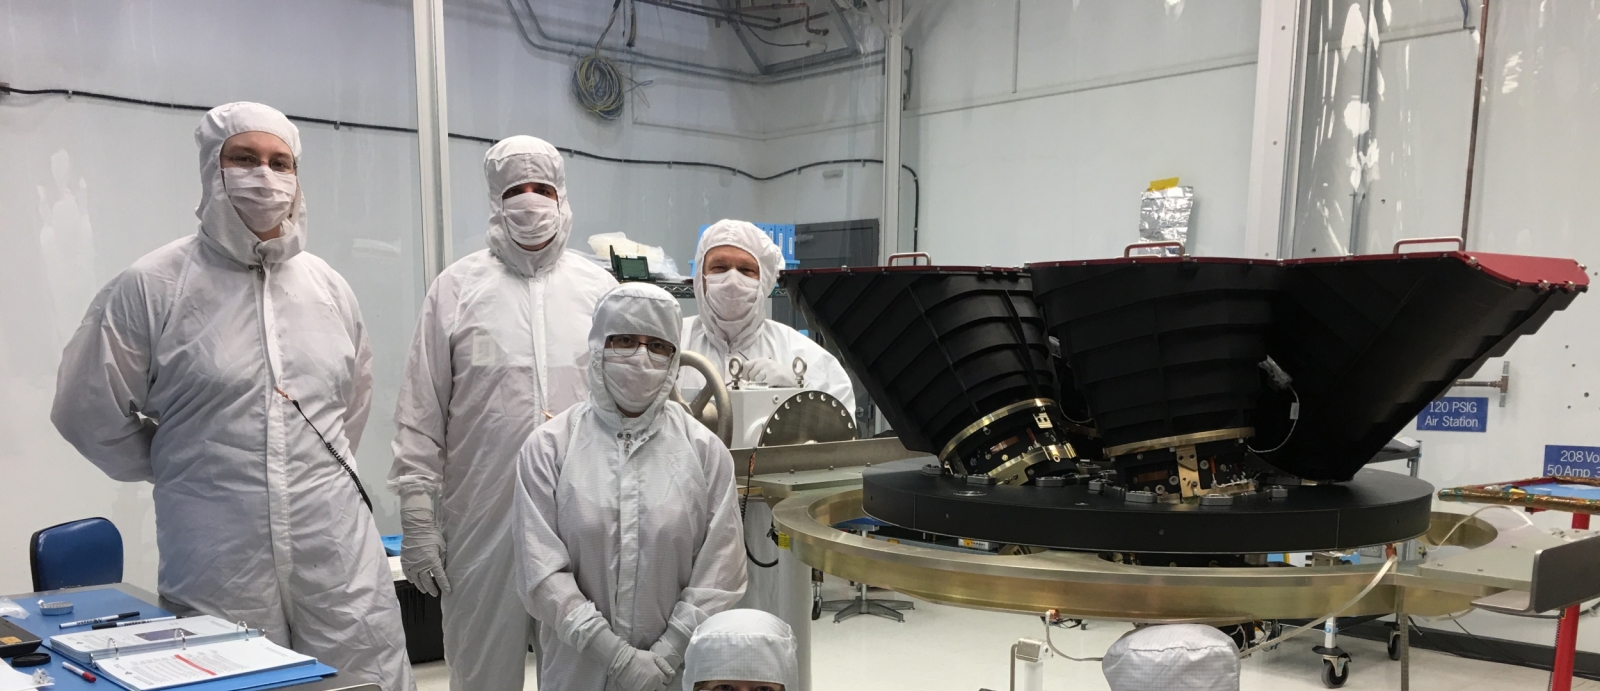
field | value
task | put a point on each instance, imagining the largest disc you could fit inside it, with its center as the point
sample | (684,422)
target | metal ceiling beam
(804,61)
(738,30)
(851,41)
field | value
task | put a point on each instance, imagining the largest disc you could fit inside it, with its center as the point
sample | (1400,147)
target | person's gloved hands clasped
(630,668)
(422,546)
(668,655)
(640,670)
(771,372)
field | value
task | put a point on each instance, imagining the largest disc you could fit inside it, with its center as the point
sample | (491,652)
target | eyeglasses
(278,164)
(628,344)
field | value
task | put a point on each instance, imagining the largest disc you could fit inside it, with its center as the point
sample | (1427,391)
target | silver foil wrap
(1164,216)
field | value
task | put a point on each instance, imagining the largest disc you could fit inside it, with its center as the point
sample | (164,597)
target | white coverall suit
(170,379)
(752,338)
(501,343)
(625,526)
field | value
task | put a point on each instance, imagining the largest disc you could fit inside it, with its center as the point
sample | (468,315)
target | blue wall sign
(1572,461)
(1455,415)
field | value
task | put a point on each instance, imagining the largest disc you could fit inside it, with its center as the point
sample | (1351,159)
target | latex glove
(640,670)
(669,655)
(422,547)
(629,668)
(771,372)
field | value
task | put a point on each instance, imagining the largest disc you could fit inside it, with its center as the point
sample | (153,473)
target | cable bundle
(597,84)
(596,81)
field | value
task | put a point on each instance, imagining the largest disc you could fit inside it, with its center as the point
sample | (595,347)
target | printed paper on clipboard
(170,668)
(86,646)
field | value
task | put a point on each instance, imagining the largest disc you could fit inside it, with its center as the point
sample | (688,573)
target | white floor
(941,648)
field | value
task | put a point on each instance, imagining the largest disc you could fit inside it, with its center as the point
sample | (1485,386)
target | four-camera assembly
(1104,416)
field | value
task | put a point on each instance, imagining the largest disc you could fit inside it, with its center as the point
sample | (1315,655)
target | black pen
(97,620)
(132,622)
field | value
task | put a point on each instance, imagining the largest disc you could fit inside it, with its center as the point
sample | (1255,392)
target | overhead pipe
(830,62)
(729,16)
(742,17)
(805,18)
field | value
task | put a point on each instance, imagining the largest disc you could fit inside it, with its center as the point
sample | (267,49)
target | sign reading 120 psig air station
(1455,415)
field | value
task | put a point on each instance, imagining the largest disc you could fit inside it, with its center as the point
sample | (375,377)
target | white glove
(633,669)
(771,372)
(669,655)
(422,545)
(628,668)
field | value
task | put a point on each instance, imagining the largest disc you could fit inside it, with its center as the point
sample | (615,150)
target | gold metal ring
(1181,440)
(990,419)
(1081,584)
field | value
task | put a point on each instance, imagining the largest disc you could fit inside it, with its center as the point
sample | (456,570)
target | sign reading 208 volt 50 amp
(1452,414)
(1571,461)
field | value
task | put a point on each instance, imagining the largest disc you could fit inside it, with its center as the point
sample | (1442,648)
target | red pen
(87,676)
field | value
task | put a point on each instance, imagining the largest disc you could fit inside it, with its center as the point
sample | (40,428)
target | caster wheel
(816,610)
(1394,646)
(1334,676)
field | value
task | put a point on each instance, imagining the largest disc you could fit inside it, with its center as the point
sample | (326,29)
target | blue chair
(76,554)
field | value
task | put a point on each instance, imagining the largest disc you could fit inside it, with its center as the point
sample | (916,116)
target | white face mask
(634,380)
(263,197)
(531,219)
(732,295)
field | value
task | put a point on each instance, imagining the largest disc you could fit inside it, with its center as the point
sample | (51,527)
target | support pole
(894,82)
(432,135)
(1403,620)
(1567,632)
(1566,650)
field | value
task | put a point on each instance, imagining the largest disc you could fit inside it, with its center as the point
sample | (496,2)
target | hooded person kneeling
(1173,657)
(742,650)
(628,531)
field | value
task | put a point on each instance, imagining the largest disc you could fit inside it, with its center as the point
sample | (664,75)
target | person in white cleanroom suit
(215,368)
(736,266)
(1173,657)
(741,650)
(627,532)
(500,347)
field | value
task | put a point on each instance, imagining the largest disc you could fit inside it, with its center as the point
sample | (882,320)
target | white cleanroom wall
(505,79)
(500,85)
(1034,125)
(87,187)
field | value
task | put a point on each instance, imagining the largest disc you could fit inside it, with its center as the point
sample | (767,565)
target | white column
(1271,159)
(433,129)
(894,82)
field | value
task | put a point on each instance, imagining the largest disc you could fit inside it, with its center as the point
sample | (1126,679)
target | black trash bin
(423,621)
